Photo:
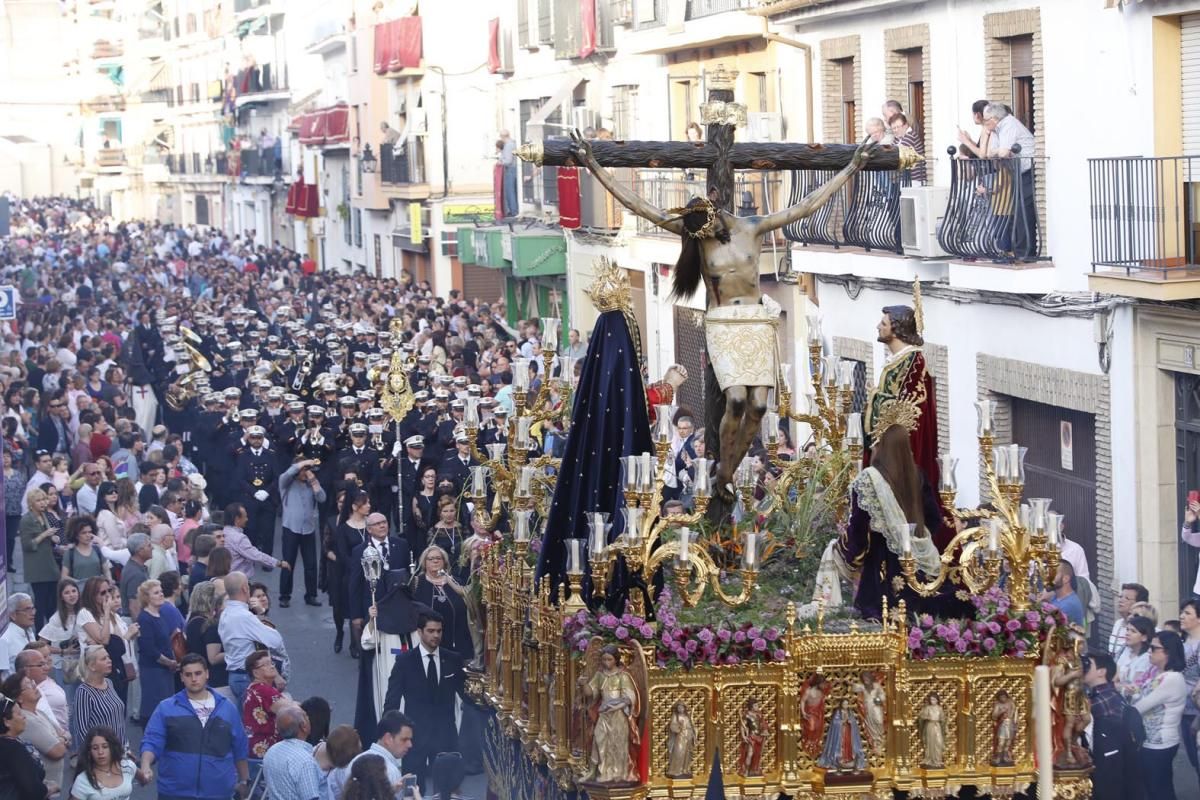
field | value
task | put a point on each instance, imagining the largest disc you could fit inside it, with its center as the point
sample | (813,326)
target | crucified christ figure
(740,322)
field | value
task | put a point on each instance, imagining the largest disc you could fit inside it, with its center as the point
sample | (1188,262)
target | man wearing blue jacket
(197,738)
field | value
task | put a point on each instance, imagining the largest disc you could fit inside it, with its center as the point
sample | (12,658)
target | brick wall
(895,42)
(997,29)
(833,51)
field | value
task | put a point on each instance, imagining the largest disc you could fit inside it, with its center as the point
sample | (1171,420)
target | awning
(398,45)
(565,90)
(160,78)
(402,240)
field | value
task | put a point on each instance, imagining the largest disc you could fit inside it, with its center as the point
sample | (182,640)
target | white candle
(471,412)
(550,334)
(947,481)
(1045,745)
(523,424)
(521,525)
(479,481)
(814,328)
(702,483)
(750,551)
(770,427)
(633,522)
(663,413)
(525,481)
(685,545)
(846,373)
(785,375)
(1053,527)
(598,523)
(646,472)
(854,429)
(630,473)
(906,533)
(994,535)
(520,373)
(985,409)
(574,556)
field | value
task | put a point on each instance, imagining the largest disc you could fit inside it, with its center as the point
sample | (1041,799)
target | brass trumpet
(189,334)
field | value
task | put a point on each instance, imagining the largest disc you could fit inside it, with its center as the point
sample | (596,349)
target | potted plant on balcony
(343,211)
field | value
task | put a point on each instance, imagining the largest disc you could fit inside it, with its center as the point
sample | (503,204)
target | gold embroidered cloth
(741,344)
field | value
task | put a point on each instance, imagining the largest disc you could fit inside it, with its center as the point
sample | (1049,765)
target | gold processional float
(789,697)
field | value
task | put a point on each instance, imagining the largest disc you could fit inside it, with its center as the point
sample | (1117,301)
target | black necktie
(431,673)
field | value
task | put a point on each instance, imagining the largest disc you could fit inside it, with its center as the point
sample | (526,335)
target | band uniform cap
(232,392)
(347,400)
(295,405)
(256,430)
(315,409)
(421,396)
(366,394)
(375,413)
(358,428)
(415,440)
(248,413)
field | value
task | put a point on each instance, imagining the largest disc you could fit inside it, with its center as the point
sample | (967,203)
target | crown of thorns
(706,206)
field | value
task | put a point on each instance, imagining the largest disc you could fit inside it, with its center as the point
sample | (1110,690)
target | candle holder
(1010,538)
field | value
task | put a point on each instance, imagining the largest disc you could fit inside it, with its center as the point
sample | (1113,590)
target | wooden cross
(719,155)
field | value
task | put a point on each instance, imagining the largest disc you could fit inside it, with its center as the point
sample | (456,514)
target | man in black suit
(399,617)
(427,679)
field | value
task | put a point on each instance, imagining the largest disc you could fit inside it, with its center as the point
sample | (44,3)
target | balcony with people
(402,169)
(1145,228)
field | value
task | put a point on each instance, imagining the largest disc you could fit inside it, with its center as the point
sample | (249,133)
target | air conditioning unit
(921,211)
(764,126)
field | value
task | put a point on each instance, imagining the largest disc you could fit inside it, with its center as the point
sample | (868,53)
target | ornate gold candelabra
(642,545)
(506,473)
(837,433)
(1010,538)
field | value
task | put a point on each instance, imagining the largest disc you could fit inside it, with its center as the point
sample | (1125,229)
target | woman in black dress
(351,531)
(436,588)
(424,503)
(447,535)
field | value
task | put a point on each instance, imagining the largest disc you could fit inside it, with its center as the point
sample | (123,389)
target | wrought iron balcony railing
(406,165)
(1143,213)
(992,211)
(864,213)
(754,192)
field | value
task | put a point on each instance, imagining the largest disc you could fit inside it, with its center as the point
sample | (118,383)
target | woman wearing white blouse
(1161,707)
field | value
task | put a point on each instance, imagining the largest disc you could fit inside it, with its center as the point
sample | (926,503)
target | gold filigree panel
(949,690)
(733,699)
(983,695)
(663,701)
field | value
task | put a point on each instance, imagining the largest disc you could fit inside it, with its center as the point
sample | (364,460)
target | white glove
(261,496)
(397,448)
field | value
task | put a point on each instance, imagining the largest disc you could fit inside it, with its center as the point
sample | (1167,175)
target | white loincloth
(742,344)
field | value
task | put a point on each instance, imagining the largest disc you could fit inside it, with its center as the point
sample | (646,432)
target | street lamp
(367,161)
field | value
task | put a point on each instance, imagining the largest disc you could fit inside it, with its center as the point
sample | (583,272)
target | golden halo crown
(610,291)
(904,413)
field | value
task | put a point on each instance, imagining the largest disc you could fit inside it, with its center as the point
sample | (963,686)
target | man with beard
(905,378)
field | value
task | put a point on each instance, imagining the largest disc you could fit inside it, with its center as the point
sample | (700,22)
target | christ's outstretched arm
(819,196)
(628,198)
